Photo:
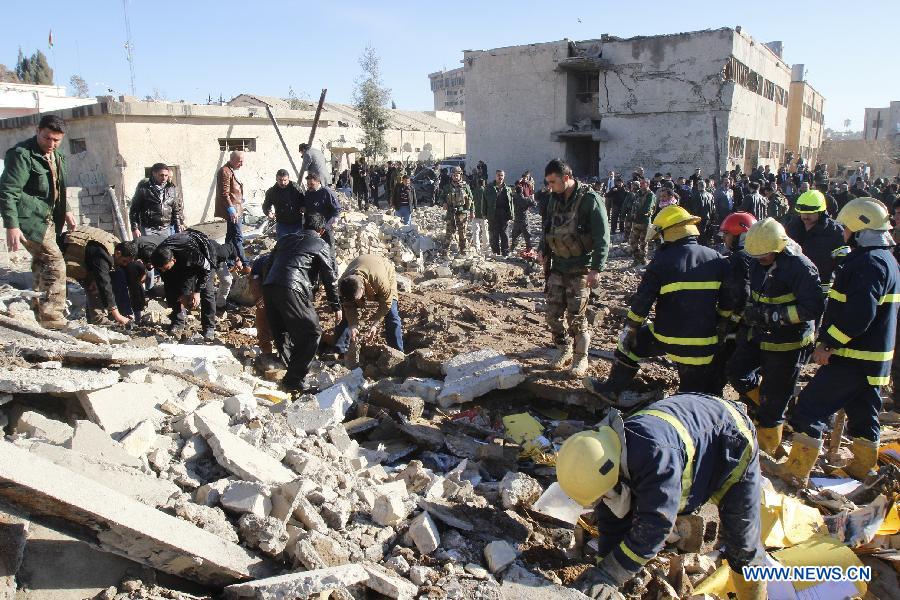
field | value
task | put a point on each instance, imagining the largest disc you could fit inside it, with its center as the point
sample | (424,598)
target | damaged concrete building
(112,144)
(714,99)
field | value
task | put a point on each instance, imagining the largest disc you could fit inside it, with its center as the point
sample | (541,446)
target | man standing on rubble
(187,261)
(369,278)
(855,347)
(642,210)
(457,196)
(230,201)
(779,327)
(321,200)
(403,200)
(820,238)
(574,251)
(480,233)
(287,201)
(686,282)
(32,198)
(314,162)
(297,260)
(666,460)
(359,173)
(498,205)
(156,207)
(521,204)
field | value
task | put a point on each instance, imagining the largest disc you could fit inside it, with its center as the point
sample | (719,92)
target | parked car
(425,184)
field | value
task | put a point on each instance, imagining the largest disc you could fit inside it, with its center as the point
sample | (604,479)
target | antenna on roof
(129,47)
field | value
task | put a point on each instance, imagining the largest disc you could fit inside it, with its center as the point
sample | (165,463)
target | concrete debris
(13,537)
(119,407)
(210,494)
(421,575)
(336,400)
(89,439)
(209,518)
(499,554)
(36,425)
(94,334)
(23,380)
(243,497)
(300,585)
(389,584)
(518,490)
(476,373)
(390,509)
(424,533)
(266,533)
(140,440)
(242,406)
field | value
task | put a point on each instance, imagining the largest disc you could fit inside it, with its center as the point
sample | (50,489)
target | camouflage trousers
(567,300)
(456,226)
(638,241)
(49,275)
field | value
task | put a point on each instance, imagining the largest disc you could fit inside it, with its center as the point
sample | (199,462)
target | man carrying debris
(403,200)
(667,460)
(498,205)
(187,261)
(369,278)
(230,201)
(156,207)
(574,251)
(687,283)
(314,162)
(287,201)
(457,195)
(855,346)
(642,210)
(778,327)
(32,198)
(297,260)
(820,238)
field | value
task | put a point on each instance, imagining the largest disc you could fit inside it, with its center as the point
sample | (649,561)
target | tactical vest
(78,241)
(456,197)
(564,238)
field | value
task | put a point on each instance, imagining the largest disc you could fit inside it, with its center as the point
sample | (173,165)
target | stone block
(499,555)
(243,497)
(388,395)
(140,440)
(390,509)
(36,425)
(424,533)
(476,373)
(518,490)
(301,584)
(118,408)
(336,400)
(91,440)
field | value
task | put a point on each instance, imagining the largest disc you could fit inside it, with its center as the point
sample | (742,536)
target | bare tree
(80,86)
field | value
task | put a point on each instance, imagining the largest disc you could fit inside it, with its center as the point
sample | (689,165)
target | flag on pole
(50,39)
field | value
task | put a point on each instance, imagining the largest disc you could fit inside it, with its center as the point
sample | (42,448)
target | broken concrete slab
(389,584)
(424,533)
(538,589)
(90,439)
(36,425)
(389,395)
(13,537)
(243,497)
(22,380)
(309,418)
(300,585)
(118,408)
(499,554)
(390,509)
(140,439)
(111,521)
(474,374)
(336,400)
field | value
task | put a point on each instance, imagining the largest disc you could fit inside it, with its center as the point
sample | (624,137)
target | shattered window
(237,144)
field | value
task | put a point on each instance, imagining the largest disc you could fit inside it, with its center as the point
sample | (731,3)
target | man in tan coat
(369,278)
(229,203)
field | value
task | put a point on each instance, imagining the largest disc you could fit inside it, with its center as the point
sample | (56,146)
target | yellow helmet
(667,223)
(864,213)
(587,465)
(811,201)
(765,237)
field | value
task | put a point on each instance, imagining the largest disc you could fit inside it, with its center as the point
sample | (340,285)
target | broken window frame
(237,144)
(77,145)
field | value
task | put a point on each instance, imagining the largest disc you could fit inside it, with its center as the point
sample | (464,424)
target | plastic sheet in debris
(785,521)
(555,503)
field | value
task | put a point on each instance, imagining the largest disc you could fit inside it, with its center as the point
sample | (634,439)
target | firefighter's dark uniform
(738,289)
(823,244)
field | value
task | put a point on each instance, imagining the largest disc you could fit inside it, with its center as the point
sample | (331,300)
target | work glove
(595,583)
(723,328)
(629,338)
(755,316)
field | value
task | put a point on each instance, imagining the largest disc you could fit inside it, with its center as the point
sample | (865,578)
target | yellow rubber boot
(769,438)
(748,590)
(804,453)
(865,459)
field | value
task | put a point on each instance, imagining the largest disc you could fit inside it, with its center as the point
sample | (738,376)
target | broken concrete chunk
(336,400)
(499,555)
(194,448)
(518,490)
(424,533)
(247,497)
(299,585)
(329,550)
(91,440)
(390,509)
(36,425)
(389,584)
(336,513)
(427,389)
(421,575)
(303,553)
(118,408)
(209,518)
(476,373)
(309,418)
(210,493)
(242,406)
(265,533)
(140,440)
(23,380)
(307,514)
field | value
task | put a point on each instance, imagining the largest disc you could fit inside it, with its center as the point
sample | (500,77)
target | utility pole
(129,47)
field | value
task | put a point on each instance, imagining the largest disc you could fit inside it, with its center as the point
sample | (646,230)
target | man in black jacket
(819,236)
(156,207)
(297,260)
(755,203)
(287,201)
(187,261)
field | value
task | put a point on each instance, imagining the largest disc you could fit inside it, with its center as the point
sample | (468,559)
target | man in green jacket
(479,223)
(32,197)
(576,244)
(498,206)
(457,196)
(642,213)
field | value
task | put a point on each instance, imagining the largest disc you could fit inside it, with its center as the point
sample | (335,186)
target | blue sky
(193,49)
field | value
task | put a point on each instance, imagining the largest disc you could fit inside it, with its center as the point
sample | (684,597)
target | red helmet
(737,223)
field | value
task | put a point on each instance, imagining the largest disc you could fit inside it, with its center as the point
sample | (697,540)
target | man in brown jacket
(369,278)
(229,202)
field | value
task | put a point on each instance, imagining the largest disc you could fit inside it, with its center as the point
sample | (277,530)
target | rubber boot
(579,358)
(753,396)
(769,438)
(800,462)
(865,459)
(748,590)
(563,356)
(610,390)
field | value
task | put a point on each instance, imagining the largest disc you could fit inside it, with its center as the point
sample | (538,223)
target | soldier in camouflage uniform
(458,197)
(641,214)
(575,247)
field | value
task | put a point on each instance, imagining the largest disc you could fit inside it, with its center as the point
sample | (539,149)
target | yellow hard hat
(587,465)
(811,201)
(765,237)
(864,213)
(673,215)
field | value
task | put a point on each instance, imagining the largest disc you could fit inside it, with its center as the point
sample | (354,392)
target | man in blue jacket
(820,238)
(855,346)
(666,460)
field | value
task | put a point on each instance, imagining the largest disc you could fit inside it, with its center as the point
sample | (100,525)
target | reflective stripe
(838,334)
(878,380)
(836,295)
(687,476)
(787,346)
(724,313)
(793,315)
(680,286)
(840,251)
(684,341)
(636,317)
(864,354)
(773,299)
(746,455)
(691,360)
(627,552)
(889,299)
(630,355)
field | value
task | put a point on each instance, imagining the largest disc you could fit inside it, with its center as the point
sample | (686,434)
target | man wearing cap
(458,197)
(686,282)
(819,236)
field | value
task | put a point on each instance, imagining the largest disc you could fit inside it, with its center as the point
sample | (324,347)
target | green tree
(80,86)
(370,99)
(34,69)
(7,76)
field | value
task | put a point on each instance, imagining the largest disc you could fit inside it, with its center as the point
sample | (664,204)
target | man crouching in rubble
(668,459)
(297,260)
(186,261)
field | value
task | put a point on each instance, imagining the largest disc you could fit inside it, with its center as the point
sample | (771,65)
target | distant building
(21,99)
(883,123)
(449,89)
(714,99)
(806,122)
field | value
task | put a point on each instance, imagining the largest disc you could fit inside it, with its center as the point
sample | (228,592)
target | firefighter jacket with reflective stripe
(738,285)
(678,454)
(688,284)
(790,287)
(76,244)
(819,243)
(860,321)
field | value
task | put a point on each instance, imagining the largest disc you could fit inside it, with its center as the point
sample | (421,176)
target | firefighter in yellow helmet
(854,348)
(818,235)
(669,459)
(686,283)
(778,327)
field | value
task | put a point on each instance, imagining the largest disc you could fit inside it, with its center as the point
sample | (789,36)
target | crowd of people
(744,279)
